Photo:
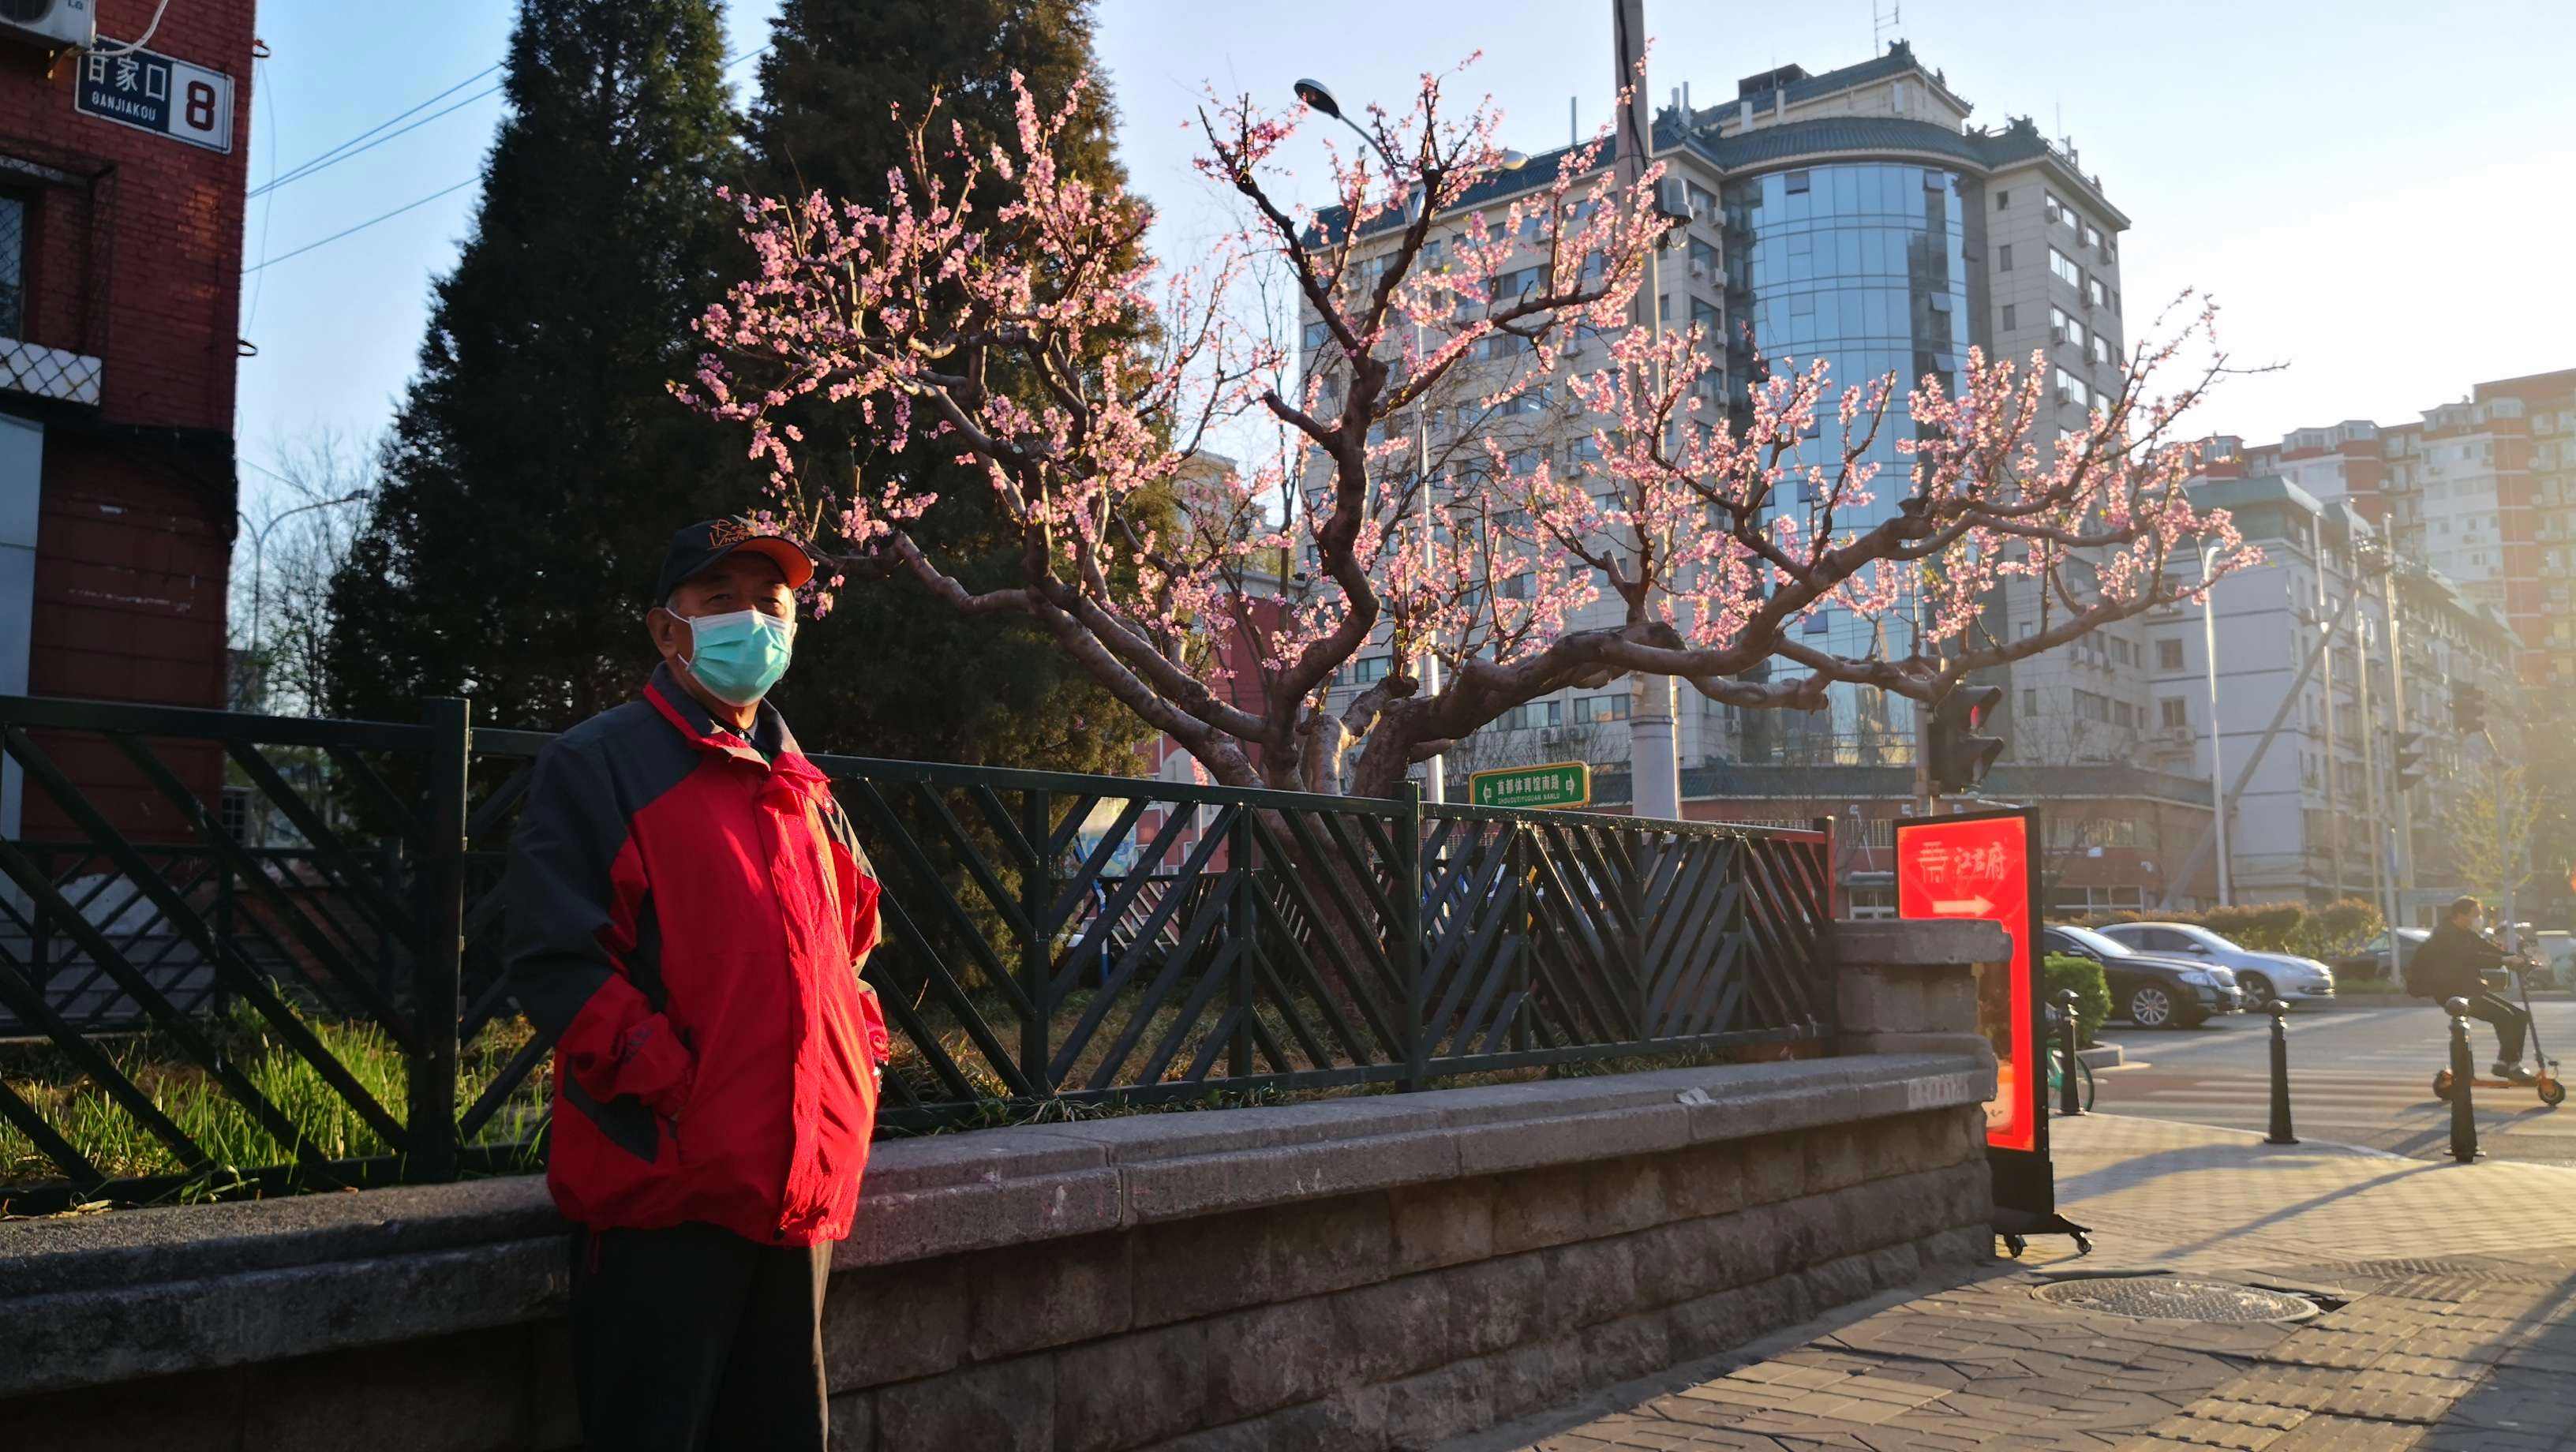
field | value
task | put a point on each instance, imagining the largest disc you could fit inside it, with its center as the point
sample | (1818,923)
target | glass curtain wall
(1864,265)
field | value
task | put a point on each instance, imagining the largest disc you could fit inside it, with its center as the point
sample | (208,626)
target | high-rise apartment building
(2481,491)
(2314,736)
(1854,216)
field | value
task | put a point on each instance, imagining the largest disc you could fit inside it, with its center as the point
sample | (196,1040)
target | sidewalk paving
(2448,1322)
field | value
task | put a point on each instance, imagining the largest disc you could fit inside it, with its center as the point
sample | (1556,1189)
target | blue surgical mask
(740,655)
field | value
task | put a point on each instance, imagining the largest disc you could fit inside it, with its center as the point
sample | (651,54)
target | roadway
(2360,1076)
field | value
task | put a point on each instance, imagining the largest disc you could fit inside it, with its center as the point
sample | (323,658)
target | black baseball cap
(700,545)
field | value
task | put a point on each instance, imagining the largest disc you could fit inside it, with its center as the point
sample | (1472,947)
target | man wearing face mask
(2454,963)
(688,915)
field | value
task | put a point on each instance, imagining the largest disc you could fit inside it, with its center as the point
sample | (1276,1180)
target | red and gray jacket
(688,913)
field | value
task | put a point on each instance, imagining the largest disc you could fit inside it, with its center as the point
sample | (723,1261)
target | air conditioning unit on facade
(55,22)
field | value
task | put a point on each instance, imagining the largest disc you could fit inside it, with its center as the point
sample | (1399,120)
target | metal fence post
(1408,936)
(1037,897)
(227,925)
(432,1153)
(1242,925)
(2280,1077)
(2464,1073)
(1525,920)
(40,960)
(1632,900)
(1829,967)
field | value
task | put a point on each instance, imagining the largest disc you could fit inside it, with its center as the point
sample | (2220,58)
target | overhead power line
(729,64)
(343,151)
(362,226)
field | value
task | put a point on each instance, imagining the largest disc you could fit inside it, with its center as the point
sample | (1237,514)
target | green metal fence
(185,1012)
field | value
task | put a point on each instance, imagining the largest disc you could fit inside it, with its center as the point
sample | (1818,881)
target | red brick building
(121,200)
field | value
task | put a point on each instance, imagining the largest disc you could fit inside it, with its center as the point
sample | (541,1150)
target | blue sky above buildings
(2376,192)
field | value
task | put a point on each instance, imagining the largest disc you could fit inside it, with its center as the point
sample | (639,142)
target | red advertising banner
(1979,867)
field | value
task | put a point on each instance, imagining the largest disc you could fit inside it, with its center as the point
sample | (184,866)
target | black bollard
(2464,1073)
(2280,1077)
(2068,1100)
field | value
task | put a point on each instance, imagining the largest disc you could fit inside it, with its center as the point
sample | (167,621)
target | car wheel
(2258,992)
(2151,1007)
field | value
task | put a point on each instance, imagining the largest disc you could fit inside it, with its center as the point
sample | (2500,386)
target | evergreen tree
(893,672)
(538,464)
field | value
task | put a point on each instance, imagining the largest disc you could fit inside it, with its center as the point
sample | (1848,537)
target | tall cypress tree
(538,464)
(894,672)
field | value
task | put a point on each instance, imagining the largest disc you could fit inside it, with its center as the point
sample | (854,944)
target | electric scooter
(2546,1082)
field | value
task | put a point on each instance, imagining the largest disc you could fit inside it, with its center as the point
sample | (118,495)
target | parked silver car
(2263,976)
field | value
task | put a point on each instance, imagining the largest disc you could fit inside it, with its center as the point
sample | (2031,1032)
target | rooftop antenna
(1573,128)
(1880,23)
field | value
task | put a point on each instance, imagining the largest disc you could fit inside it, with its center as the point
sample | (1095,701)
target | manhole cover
(2177,1298)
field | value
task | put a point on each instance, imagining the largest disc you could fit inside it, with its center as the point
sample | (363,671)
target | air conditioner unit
(55,22)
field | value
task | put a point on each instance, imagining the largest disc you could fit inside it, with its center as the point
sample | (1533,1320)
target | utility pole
(2404,866)
(1926,791)
(2508,859)
(1654,767)
(2382,884)
(2334,764)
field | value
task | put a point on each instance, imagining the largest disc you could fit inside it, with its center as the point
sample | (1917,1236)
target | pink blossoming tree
(1711,539)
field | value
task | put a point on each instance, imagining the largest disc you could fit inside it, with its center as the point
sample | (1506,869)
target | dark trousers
(693,1339)
(2511,1023)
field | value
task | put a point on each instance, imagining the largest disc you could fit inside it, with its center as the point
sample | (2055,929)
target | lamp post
(1435,776)
(2209,663)
(259,570)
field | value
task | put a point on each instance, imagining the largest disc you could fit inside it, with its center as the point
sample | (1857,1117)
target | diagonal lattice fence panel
(267,953)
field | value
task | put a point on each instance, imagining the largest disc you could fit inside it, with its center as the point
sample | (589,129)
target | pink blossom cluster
(1036,344)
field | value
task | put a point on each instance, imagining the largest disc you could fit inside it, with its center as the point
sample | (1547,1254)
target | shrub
(2265,927)
(2275,927)
(2093,1001)
(2340,927)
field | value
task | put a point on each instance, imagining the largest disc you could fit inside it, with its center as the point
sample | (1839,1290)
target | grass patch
(119,1146)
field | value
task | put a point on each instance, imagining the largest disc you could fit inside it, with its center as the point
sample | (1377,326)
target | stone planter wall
(1368,1273)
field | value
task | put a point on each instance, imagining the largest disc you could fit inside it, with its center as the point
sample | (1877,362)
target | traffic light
(2468,710)
(1960,756)
(2410,759)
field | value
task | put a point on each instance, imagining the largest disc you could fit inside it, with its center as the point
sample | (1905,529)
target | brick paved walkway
(2449,1323)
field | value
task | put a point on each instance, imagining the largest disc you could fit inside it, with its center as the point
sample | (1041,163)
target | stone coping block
(1920,942)
(97,1299)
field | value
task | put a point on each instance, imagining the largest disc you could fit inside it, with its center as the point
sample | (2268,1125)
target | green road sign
(1557,784)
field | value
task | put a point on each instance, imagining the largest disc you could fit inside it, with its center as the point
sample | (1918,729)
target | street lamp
(2209,663)
(1435,776)
(259,570)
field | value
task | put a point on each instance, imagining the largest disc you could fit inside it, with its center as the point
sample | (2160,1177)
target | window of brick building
(13,265)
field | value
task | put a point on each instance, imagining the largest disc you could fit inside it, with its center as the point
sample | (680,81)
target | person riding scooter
(2453,963)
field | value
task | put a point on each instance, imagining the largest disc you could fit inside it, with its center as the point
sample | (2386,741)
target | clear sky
(2380,193)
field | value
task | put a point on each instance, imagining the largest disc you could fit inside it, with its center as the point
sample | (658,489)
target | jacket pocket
(623,1122)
